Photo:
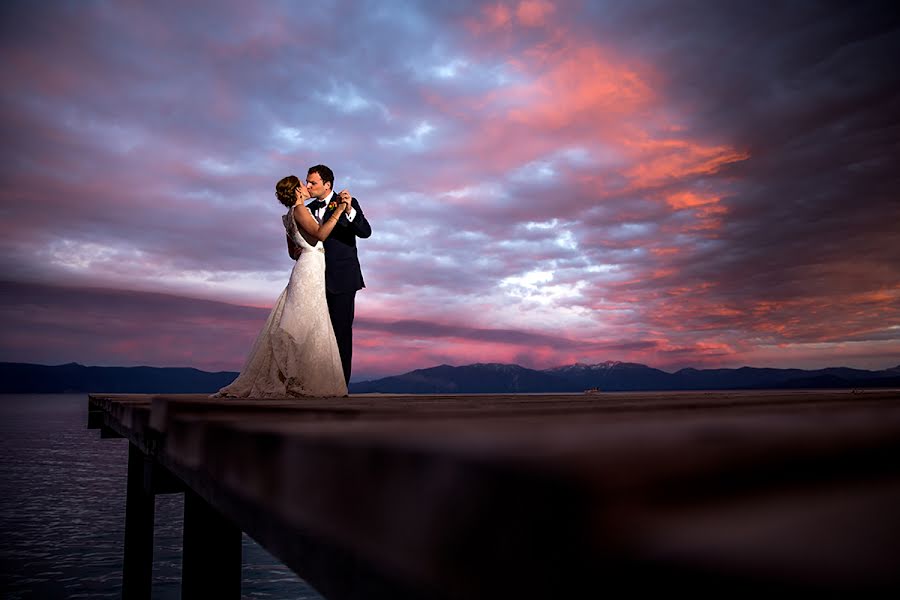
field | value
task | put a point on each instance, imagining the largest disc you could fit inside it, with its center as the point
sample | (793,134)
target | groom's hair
(324,172)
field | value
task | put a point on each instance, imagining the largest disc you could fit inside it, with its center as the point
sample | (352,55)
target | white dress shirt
(321,212)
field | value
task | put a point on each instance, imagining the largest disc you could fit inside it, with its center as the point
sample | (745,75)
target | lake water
(62,512)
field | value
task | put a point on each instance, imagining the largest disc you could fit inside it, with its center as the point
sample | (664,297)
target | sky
(678,184)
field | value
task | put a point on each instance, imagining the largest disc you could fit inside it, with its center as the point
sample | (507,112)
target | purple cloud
(547,181)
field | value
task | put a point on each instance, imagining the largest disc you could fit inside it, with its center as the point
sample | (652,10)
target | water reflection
(62,512)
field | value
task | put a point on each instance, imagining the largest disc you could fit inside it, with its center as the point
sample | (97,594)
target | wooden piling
(211,552)
(137,562)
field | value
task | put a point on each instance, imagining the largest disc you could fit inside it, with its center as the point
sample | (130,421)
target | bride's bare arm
(308,223)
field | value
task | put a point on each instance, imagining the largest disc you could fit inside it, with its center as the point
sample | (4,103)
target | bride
(296,353)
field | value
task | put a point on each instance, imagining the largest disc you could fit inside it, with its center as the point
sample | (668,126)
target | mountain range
(618,376)
(24,378)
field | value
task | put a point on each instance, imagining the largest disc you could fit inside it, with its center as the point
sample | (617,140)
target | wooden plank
(432,482)
(166,408)
(458,496)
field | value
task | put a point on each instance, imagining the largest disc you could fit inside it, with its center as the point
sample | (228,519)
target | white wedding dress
(296,353)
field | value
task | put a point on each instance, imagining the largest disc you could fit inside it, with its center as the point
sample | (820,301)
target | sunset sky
(705,184)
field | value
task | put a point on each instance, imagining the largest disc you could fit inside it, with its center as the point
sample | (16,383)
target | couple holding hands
(306,346)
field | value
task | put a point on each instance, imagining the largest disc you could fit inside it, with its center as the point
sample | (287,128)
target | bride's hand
(302,194)
(346,199)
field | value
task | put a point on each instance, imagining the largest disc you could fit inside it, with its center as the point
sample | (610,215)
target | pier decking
(522,496)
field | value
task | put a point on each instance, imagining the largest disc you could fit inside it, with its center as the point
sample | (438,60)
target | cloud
(56,324)
(534,12)
(53,324)
(676,185)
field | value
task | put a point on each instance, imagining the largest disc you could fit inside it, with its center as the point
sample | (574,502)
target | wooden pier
(522,496)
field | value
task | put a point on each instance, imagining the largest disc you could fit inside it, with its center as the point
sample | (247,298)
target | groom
(343,276)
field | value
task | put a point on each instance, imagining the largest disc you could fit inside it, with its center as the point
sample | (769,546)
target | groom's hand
(293,249)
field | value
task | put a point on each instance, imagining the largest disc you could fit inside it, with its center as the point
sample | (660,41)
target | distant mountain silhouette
(24,378)
(469,379)
(617,376)
(479,378)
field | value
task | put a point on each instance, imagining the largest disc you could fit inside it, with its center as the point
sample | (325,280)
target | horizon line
(576,364)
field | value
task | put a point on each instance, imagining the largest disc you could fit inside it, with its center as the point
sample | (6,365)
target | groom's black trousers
(341,308)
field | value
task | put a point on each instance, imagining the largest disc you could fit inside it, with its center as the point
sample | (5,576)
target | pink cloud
(534,12)
(674,205)
(494,16)
(529,13)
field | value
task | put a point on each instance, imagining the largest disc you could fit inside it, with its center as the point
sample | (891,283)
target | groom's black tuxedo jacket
(342,272)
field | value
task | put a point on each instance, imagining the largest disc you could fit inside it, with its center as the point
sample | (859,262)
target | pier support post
(137,567)
(211,555)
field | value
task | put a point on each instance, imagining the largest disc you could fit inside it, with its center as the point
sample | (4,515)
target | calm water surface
(62,512)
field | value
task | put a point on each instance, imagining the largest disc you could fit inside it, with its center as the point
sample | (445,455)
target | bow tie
(316,205)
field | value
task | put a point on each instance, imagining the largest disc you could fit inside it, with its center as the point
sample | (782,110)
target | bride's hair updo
(284,190)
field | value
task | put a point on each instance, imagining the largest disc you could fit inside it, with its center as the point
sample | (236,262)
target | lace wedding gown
(295,354)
